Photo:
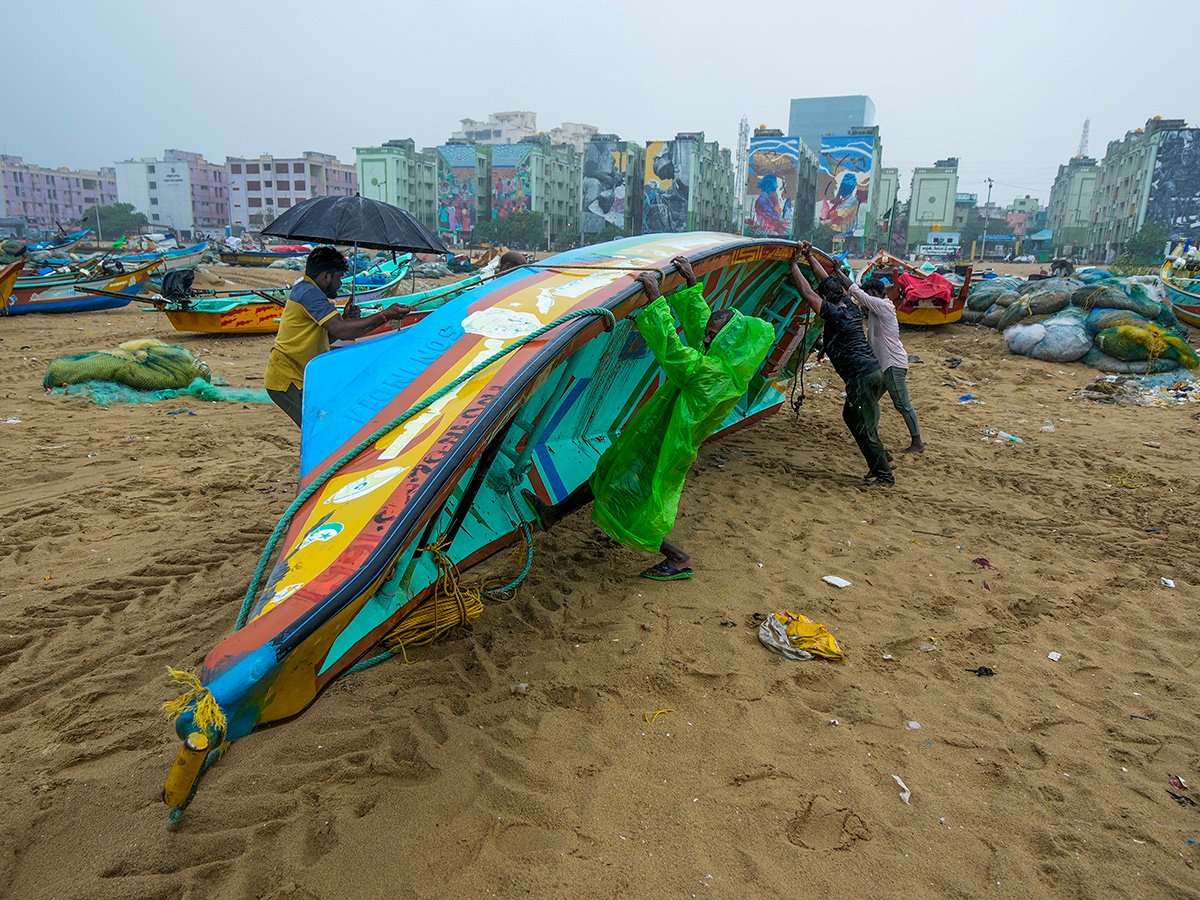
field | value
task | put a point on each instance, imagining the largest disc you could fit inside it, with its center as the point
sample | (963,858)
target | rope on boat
(325,476)
(433,618)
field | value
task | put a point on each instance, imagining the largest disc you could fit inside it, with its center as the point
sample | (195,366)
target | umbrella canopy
(355,220)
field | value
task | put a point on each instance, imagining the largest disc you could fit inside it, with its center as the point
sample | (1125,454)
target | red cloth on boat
(932,287)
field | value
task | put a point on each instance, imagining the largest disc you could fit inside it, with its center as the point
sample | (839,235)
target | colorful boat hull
(70,296)
(255,258)
(1186,303)
(182,258)
(248,318)
(60,244)
(351,561)
(924,311)
(251,314)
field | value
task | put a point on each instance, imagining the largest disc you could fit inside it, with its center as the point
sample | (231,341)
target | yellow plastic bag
(798,637)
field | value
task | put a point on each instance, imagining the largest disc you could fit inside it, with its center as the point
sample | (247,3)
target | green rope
(516,582)
(321,479)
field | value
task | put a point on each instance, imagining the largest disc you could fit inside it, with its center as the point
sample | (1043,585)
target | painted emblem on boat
(501,323)
(365,485)
(324,532)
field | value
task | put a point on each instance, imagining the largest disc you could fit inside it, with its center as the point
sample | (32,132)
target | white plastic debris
(1054,655)
(914,726)
(1167,582)
(905,793)
(837,582)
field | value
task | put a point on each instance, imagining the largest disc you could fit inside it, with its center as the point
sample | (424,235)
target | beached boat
(424,439)
(258,312)
(8,277)
(181,258)
(921,298)
(257,258)
(1181,277)
(61,244)
(75,291)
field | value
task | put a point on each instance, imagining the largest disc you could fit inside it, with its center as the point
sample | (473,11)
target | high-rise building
(540,176)
(1136,187)
(1069,211)
(932,201)
(182,191)
(399,174)
(46,198)
(847,199)
(811,118)
(781,179)
(887,205)
(261,188)
(464,188)
(612,185)
(688,185)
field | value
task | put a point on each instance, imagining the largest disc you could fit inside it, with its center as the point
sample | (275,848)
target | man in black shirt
(852,359)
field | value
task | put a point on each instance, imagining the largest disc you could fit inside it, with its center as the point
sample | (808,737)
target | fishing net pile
(1119,325)
(141,371)
(11,250)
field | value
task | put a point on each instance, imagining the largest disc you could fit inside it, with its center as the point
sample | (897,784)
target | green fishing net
(142,371)
(108,393)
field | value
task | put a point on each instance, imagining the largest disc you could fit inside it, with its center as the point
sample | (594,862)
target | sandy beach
(128,535)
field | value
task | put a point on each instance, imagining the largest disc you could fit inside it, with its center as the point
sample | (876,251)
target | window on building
(150,169)
(235,168)
(154,201)
(298,167)
(283,202)
(251,168)
(298,185)
(254,202)
(254,185)
(154,185)
(154,216)
(266,167)
(281,185)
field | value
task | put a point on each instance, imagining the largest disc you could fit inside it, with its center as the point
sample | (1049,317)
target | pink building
(261,188)
(47,198)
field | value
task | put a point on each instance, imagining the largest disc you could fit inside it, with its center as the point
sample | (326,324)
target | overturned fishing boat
(416,446)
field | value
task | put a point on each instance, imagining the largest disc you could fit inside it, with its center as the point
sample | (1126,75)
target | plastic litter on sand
(837,582)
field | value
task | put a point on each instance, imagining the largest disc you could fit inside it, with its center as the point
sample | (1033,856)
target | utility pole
(987,213)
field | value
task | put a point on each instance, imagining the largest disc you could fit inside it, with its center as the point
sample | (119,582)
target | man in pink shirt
(883,334)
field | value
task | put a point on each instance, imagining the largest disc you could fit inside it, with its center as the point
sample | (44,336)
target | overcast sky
(1003,86)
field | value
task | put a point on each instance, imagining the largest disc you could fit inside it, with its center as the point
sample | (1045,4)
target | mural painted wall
(667,185)
(456,189)
(604,165)
(771,185)
(512,179)
(1175,185)
(844,182)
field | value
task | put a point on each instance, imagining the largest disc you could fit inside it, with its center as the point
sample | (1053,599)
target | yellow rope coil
(208,716)
(451,605)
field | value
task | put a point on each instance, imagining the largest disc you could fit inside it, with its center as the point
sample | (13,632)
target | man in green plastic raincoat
(639,479)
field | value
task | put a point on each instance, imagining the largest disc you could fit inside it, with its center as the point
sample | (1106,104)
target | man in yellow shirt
(309,320)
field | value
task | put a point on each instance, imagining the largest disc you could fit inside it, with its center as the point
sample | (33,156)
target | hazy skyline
(1005,87)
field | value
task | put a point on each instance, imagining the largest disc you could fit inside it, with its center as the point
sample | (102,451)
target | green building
(688,186)
(399,174)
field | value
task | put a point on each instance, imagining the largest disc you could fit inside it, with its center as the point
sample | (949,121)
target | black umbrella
(355,220)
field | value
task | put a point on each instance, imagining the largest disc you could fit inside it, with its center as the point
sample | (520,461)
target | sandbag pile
(1117,325)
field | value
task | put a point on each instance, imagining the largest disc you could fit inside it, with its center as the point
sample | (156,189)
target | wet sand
(127,537)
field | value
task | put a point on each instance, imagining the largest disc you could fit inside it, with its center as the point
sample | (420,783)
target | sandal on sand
(666,572)
(536,505)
